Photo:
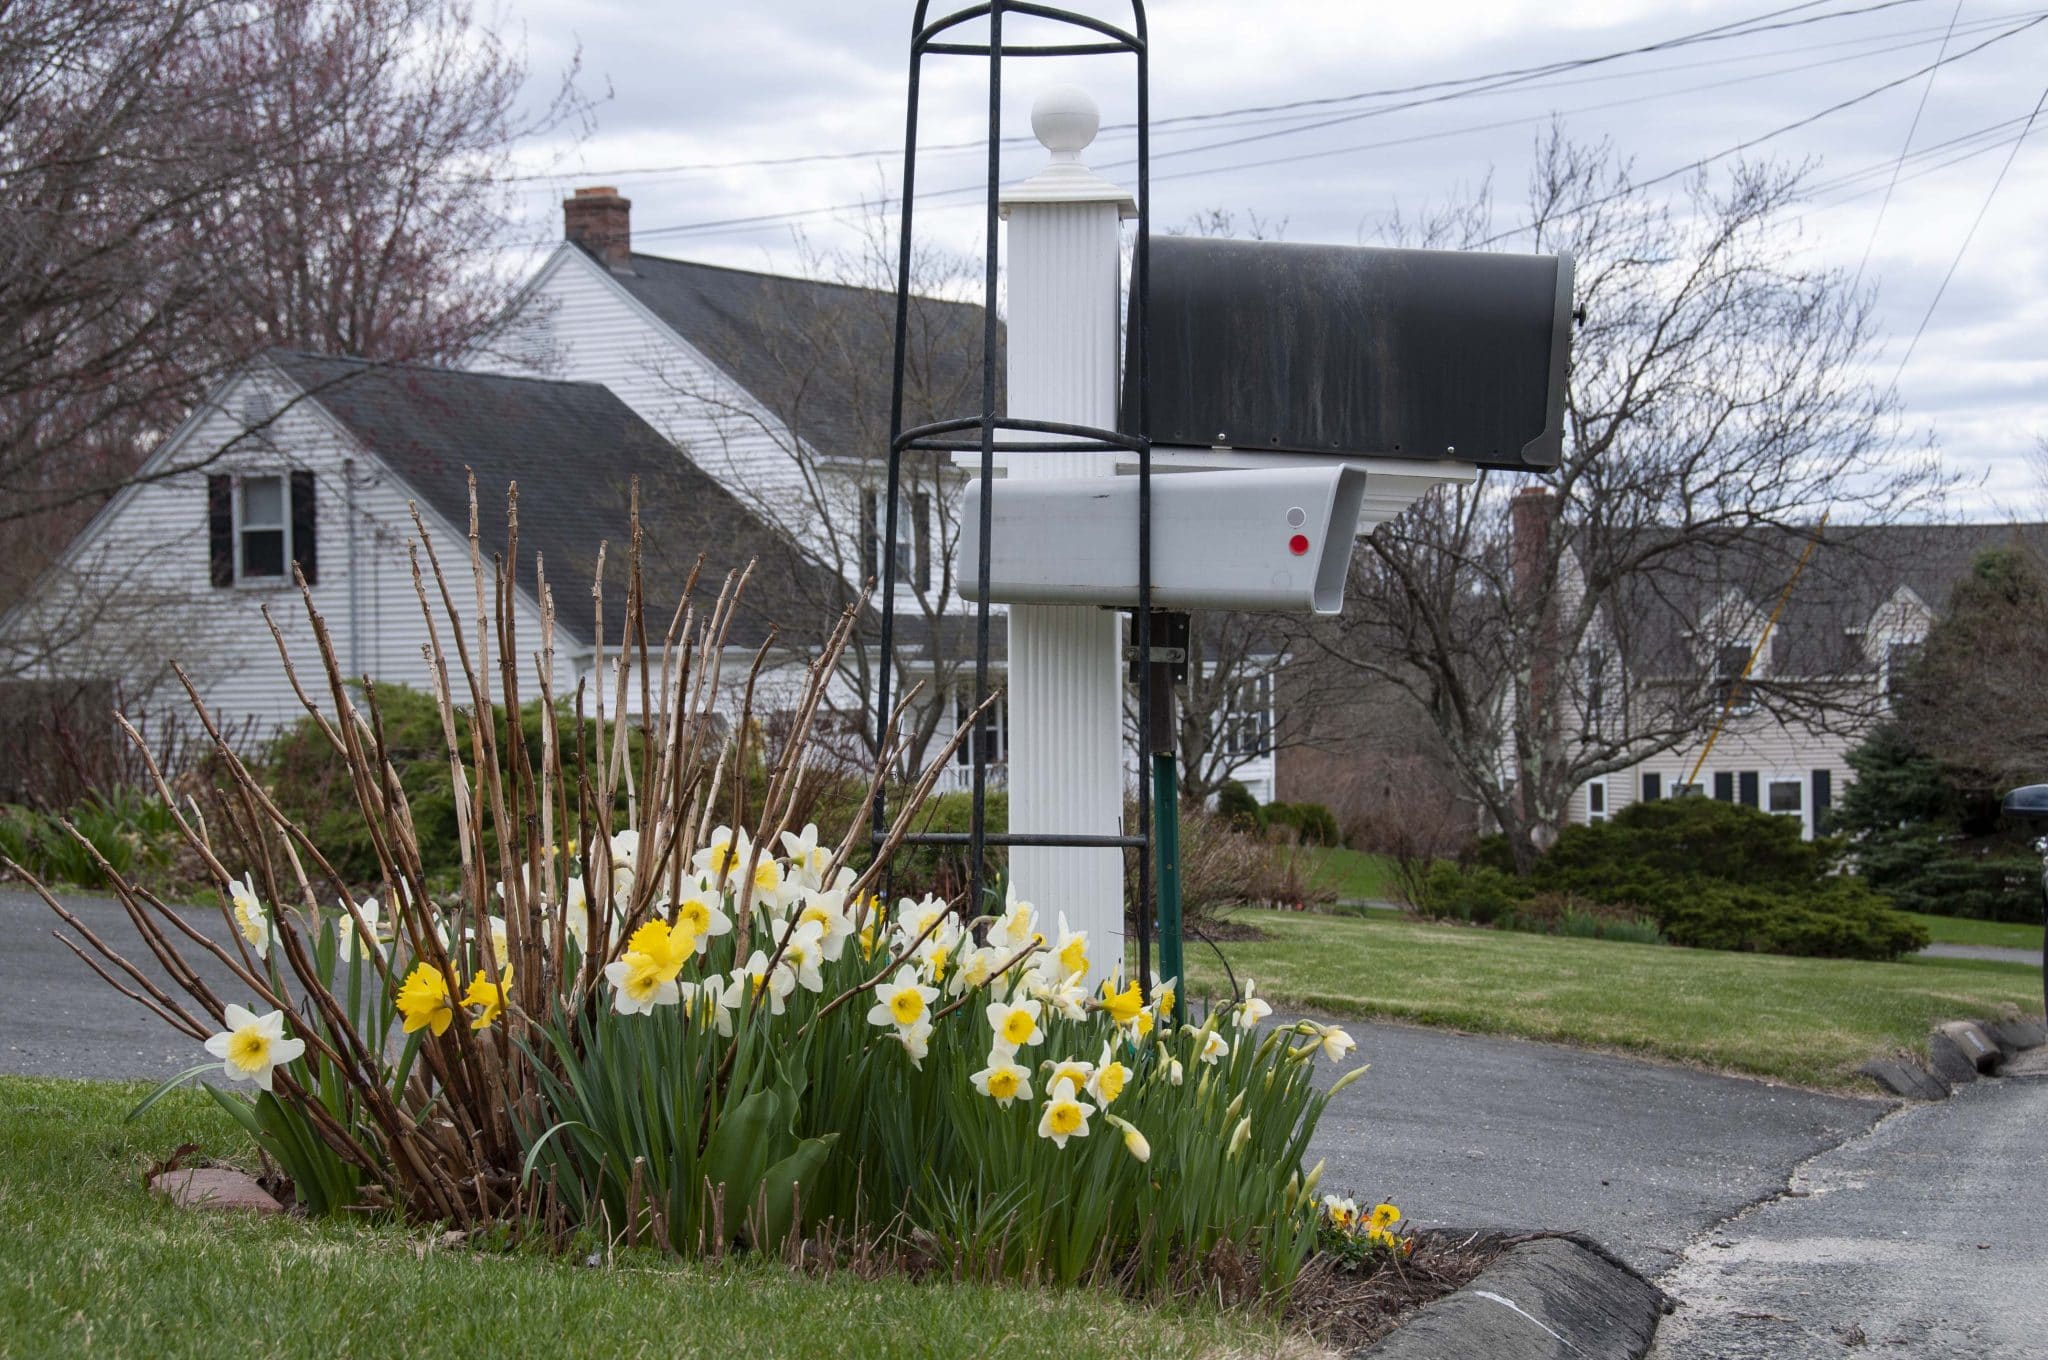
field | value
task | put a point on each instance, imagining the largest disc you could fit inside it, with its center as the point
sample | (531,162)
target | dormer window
(1731,690)
(1898,663)
(913,539)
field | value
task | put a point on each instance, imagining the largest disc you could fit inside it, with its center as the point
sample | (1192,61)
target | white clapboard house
(318,461)
(779,388)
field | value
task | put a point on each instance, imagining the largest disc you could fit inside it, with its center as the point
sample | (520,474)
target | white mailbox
(1274,539)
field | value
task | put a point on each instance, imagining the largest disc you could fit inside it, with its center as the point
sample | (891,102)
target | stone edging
(1546,1298)
(1957,1053)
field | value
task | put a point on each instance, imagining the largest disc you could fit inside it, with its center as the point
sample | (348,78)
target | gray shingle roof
(818,355)
(1855,571)
(573,449)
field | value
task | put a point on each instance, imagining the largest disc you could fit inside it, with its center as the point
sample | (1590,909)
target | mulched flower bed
(1346,1310)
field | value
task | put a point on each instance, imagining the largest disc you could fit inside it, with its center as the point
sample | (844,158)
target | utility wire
(1969,236)
(1739,28)
(1904,147)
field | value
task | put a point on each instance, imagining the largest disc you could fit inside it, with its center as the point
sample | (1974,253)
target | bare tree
(1716,409)
(191,182)
(806,447)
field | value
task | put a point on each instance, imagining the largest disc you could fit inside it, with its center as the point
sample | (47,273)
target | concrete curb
(1957,1053)
(1547,1298)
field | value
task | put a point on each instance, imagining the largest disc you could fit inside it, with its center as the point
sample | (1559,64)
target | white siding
(147,553)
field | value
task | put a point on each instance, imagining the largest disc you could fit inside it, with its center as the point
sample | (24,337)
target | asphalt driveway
(1459,1130)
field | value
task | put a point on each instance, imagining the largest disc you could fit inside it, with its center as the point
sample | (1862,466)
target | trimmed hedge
(1710,875)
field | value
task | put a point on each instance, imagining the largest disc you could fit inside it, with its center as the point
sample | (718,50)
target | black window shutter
(869,567)
(1724,786)
(1653,786)
(305,540)
(1749,789)
(220,528)
(921,522)
(1823,790)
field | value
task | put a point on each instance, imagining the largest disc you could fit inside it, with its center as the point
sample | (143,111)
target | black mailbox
(1423,354)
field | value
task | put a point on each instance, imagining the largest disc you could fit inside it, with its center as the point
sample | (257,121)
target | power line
(1726,152)
(1969,236)
(1904,147)
(1739,28)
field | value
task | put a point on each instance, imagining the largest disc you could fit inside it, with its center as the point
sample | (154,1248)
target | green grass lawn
(1963,930)
(91,1264)
(1354,874)
(1810,1021)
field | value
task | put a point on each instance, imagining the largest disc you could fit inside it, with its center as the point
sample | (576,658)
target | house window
(993,738)
(1653,786)
(1248,722)
(913,538)
(262,530)
(1596,800)
(1596,667)
(1686,790)
(1730,690)
(1786,796)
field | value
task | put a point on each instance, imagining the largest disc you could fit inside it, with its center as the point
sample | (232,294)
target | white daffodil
(904,1002)
(725,859)
(1003,1081)
(1071,952)
(808,860)
(826,909)
(1337,1045)
(576,915)
(935,955)
(1240,1136)
(1214,1050)
(710,1003)
(346,937)
(626,850)
(252,1046)
(1134,1141)
(1175,1073)
(1109,1079)
(1065,1115)
(975,969)
(699,910)
(1069,997)
(803,952)
(640,982)
(1073,1070)
(916,1042)
(763,985)
(252,919)
(771,890)
(1250,1011)
(1015,1026)
(1017,926)
(501,942)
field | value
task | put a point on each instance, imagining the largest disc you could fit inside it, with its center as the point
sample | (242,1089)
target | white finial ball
(1065,119)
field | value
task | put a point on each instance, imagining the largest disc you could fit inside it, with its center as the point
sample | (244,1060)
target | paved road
(1459,1130)
(1922,1237)
(1994,952)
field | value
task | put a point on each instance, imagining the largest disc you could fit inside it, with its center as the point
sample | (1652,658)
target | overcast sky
(699,85)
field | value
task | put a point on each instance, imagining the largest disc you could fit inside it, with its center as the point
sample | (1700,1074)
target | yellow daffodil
(1065,1115)
(252,919)
(902,1003)
(1250,1011)
(1002,1080)
(1124,1007)
(252,1046)
(1015,1026)
(1214,1050)
(488,995)
(668,946)
(1109,1080)
(1134,1141)
(424,1000)
(640,982)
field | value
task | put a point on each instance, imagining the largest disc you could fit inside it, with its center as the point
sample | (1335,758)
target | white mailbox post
(1065,688)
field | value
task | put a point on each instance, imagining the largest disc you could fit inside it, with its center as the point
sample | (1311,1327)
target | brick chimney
(1529,516)
(602,223)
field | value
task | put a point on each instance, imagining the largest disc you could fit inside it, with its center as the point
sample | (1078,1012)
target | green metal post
(1166,827)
